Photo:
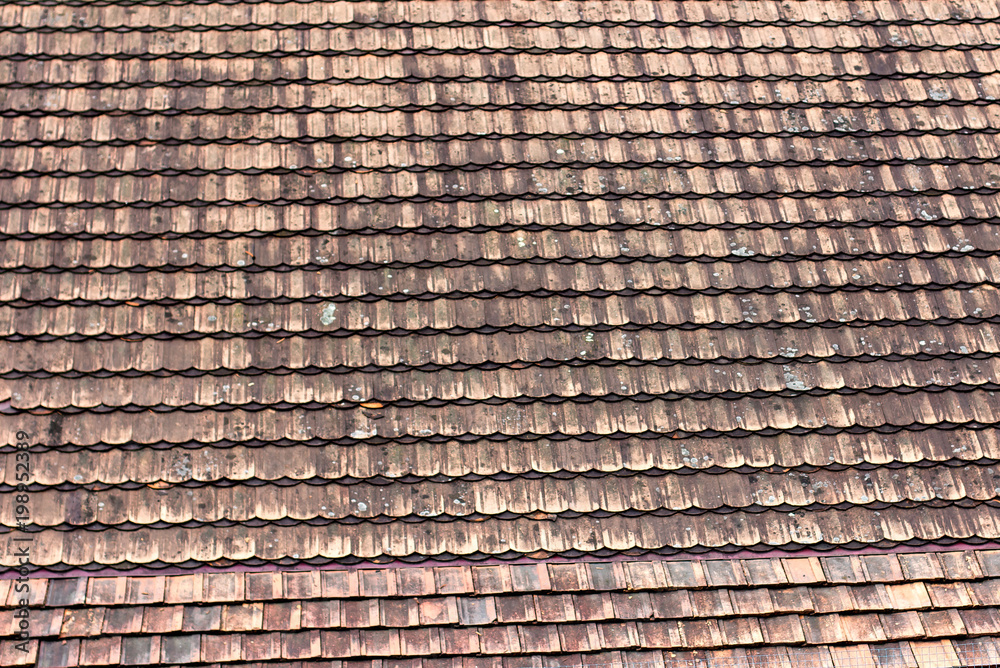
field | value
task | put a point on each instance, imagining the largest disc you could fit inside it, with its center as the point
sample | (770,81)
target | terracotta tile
(984,621)
(921,566)
(985,592)
(283,616)
(939,654)
(320,614)
(100,651)
(83,622)
(796,599)
(803,571)
(881,568)
(145,590)
(989,562)
(568,577)
(380,643)
(862,628)
(529,577)
(977,651)
(65,592)
(949,595)
(183,588)
(475,611)
(419,642)
(459,641)
(700,633)
(261,647)
(263,586)
(515,609)
(499,640)
(122,621)
(59,653)
(823,629)
(13,655)
(853,656)
(842,570)
(960,565)
(684,574)
(782,630)
(742,631)
(222,587)
(712,603)
(339,584)
(416,581)
(243,617)
(752,601)
(340,644)
(404,612)
(618,635)
(605,576)
(725,573)
(454,580)
(539,638)
(552,608)
(106,591)
(359,614)
(221,648)
(303,645)
(442,610)
(671,604)
(301,585)
(140,650)
(180,649)
(378,582)
(584,637)
(942,623)
(764,571)
(644,575)
(908,596)
(593,607)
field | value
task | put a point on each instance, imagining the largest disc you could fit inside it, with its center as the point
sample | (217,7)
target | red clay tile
(454,580)
(380,643)
(416,582)
(145,590)
(320,614)
(83,622)
(823,629)
(764,572)
(63,592)
(942,623)
(359,614)
(530,577)
(593,607)
(862,628)
(221,648)
(684,574)
(122,621)
(568,577)
(140,650)
(419,642)
(339,584)
(806,570)
(263,586)
(282,616)
(100,651)
(301,584)
(580,637)
(59,654)
(700,633)
(539,638)
(741,631)
(515,609)
(180,649)
(711,603)
(671,604)
(632,605)
(223,587)
(499,640)
(960,565)
(989,562)
(618,635)
(106,591)
(843,569)
(950,595)
(460,640)
(881,568)
(782,630)
(983,621)
(340,644)
(795,599)
(921,566)
(378,582)
(183,588)
(442,610)
(243,617)
(476,611)
(725,573)
(553,608)
(400,612)
(302,645)
(908,596)
(261,647)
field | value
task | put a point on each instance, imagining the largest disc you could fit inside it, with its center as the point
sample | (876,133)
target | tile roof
(520,293)
(817,610)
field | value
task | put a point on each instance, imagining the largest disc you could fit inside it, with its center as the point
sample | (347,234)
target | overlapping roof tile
(594,288)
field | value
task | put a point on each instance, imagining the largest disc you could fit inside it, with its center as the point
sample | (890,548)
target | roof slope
(320,284)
